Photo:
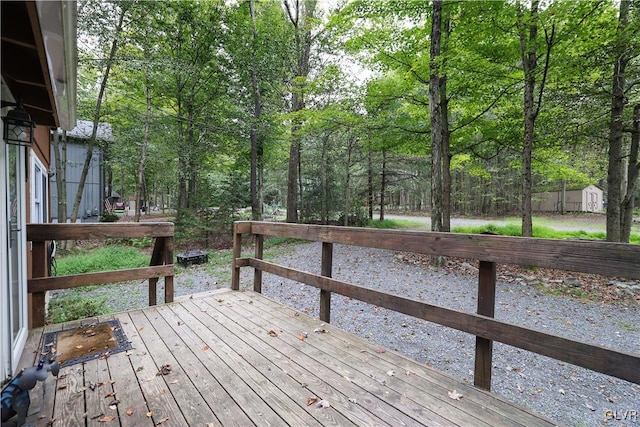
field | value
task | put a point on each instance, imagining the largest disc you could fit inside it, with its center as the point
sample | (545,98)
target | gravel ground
(568,394)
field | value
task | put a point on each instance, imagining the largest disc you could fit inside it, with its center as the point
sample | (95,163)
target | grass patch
(73,306)
(539,231)
(628,326)
(107,258)
(397,224)
(566,291)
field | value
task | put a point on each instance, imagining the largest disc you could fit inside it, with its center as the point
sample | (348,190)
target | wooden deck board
(320,381)
(435,383)
(228,370)
(365,371)
(311,359)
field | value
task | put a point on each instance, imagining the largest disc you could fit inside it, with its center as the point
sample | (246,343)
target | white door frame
(12,344)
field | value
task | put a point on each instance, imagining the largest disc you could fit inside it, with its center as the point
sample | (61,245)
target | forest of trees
(335,111)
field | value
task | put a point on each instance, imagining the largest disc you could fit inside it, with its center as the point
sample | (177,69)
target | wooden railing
(39,235)
(608,259)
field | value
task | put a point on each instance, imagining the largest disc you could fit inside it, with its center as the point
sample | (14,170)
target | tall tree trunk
(528,52)
(347,183)
(370,183)
(383,184)
(324,167)
(632,178)
(301,14)
(143,151)
(446,134)
(96,117)
(60,148)
(615,157)
(436,118)
(256,140)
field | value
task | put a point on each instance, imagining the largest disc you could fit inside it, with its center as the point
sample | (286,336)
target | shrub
(109,217)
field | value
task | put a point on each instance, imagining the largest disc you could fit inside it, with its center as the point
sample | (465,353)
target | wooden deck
(239,358)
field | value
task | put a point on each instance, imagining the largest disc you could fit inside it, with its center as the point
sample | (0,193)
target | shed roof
(84,128)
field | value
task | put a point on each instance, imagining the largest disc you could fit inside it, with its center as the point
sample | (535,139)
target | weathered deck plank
(367,372)
(227,369)
(433,383)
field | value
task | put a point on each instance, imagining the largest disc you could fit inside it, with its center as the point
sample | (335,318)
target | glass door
(14,309)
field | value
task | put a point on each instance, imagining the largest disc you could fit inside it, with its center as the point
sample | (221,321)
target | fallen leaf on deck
(101,414)
(320,331)
(106,355)
(180,323)
(391,373)
(111,381)
(113,393)
(114,403)
(149,414)
(129,411)
(454,395)
(165,369)
(93,386)
(164,420)
(50,422)
(311,400)
(205,348)
(174,382)
(139,368)
(107,419)
(141,328)
(61,377)
(273,333)
(63,386)
(323,404)
(302,336)
(380,350)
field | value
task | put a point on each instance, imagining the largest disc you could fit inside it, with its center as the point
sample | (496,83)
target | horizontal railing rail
(161,264)
(604,258)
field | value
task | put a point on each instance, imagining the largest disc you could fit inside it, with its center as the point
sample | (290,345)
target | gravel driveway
(565,393)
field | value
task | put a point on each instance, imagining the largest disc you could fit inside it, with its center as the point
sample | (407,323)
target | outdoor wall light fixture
(17,126)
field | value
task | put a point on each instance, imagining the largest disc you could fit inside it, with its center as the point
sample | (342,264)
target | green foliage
(102,259)
(109,217)
(395,224)
(73,306)
(142,242)
(273,242)
(538,232)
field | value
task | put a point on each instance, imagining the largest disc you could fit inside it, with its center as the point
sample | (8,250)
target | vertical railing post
(326,270)
(39,264)
(486,307)
(156,259)
(257,273)
(168,260)
(237,251)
